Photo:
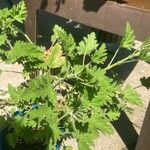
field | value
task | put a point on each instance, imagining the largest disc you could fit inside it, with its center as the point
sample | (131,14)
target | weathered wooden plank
(31,21)
(108,16)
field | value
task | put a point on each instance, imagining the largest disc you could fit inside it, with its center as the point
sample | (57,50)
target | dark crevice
(44,4)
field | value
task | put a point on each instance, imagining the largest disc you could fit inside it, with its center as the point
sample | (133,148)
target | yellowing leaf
(53,58)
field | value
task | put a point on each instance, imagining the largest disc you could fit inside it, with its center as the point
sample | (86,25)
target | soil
(145,4)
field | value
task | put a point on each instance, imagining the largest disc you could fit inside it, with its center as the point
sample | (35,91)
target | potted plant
(67,93)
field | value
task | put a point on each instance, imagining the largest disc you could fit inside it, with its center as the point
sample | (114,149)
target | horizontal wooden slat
(108,16)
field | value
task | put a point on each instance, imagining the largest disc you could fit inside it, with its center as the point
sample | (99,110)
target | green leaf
(98,122)
(54,57)
(24,51)
(145,51)
(78,69)
(4,13)
(18,12)
(85,140)
(8,18)
(45,113)
(100,55)
(67,40)
(113,114)
(2,122)
(88,44)
(132,96)
(13,137)
(15,94)
(39,88)
(3,39)
(128,38)
(3,54)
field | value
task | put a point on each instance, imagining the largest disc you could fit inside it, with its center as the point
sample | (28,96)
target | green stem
(25,35)
(83,62)
(63,116)
(118,63)
(114,56)
(86,84)
(133,60)
(8,42)
(125,60)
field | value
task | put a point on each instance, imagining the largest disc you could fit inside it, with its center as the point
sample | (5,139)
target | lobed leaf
(132,96)
(3,39)
(18,12)
(128,38)
(88,44)
(24,51)
(39,88)
(67,40)
(54,57)
(145,51)
(100,55)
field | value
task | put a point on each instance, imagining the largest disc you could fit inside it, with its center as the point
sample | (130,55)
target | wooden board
(144,4)
(108,16)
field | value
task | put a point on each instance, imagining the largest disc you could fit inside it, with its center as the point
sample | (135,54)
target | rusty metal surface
(108,16)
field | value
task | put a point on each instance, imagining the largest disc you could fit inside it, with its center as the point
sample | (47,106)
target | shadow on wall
(145,82)
(93,5)
(126,131)
(57,2)
(88,5)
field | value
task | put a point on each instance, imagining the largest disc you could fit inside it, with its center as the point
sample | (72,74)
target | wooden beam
(101,14)
(31,21)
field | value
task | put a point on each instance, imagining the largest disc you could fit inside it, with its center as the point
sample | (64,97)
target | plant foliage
(70,88)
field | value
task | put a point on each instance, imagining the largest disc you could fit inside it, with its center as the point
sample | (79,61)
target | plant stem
(86,84)
(114,56)
(63,116)
(118,63)
(8,42)
(125,60)
(133,60)
(83,62)
(28,38)
(25,35)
